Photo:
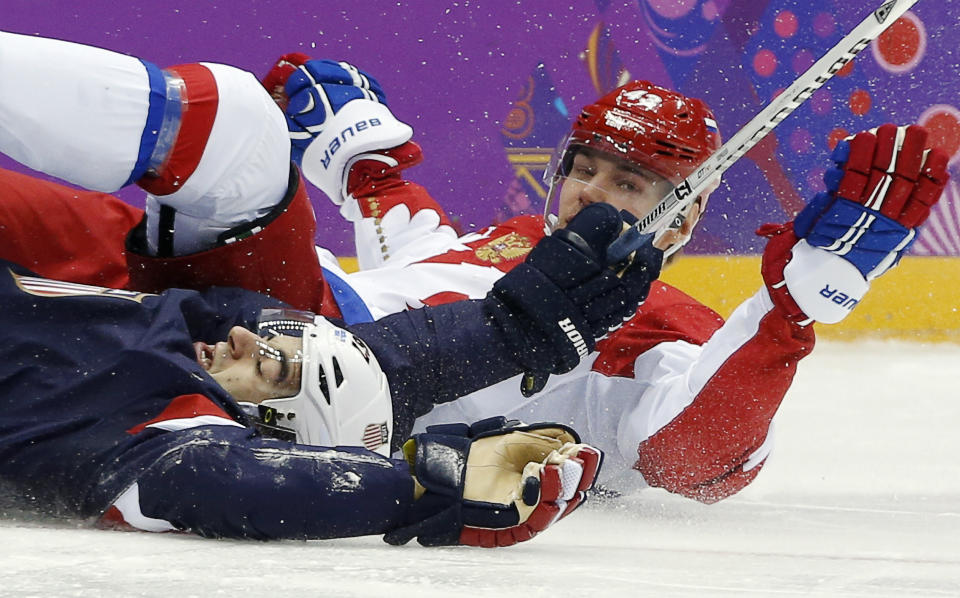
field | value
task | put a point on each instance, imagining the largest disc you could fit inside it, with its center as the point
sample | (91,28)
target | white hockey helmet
(344,398)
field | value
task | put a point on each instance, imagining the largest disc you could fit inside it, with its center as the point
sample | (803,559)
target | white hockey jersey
(677,393)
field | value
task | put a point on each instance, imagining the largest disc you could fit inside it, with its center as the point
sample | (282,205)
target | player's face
(251,368)
(599,177)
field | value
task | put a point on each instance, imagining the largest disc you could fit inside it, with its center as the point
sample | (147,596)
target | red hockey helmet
(654,127)
(657,129)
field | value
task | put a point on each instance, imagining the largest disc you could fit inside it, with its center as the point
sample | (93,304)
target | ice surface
(860,498)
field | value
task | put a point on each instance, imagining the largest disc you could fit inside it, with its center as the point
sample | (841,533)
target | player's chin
(204,354)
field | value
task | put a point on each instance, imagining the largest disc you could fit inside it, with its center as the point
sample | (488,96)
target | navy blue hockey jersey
(104,410)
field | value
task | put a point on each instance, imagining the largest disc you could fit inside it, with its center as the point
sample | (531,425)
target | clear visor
(279,320)
(580,174)
(280,343)
(343,395)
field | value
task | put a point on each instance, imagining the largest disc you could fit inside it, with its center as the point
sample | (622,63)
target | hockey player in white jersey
(677,397)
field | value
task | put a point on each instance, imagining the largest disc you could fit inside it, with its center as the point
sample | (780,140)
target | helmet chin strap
(267,421)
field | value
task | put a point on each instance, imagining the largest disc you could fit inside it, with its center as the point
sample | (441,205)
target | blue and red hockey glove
(336,116)
(879,192)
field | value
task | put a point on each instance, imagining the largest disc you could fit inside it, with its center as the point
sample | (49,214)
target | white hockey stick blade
(676,202)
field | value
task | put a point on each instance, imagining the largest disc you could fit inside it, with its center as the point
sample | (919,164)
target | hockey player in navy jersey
(118,405)
(220,412)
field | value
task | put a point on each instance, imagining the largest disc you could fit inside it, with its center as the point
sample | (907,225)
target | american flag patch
(44,287)
(375,436)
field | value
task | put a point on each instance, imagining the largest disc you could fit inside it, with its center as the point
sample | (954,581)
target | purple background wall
(489,86)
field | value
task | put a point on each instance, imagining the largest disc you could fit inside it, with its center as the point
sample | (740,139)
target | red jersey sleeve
(716,445)
(274,255)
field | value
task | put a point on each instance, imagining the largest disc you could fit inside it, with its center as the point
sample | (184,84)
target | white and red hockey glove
(494,483)
(336,116)
(819,267)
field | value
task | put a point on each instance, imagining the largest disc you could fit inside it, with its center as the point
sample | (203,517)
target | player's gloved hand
(881,189)
(275,80)
(361,172)
(567,294)
(336,115)
(494,483)
(318,90)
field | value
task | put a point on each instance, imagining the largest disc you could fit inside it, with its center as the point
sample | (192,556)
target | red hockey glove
(495,483)
(881,189)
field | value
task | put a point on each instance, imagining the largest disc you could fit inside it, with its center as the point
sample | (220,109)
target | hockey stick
(673,207)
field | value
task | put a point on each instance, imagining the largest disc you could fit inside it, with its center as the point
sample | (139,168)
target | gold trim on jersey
(507,247)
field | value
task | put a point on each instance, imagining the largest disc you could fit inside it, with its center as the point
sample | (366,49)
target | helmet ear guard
(344,398)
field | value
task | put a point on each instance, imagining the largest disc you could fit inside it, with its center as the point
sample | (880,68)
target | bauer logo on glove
(880,191)
(335,114)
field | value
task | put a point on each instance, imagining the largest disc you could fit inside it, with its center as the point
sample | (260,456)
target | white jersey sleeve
(72,111)
(205,140)
(415,258)
(395,221)
(693,418)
